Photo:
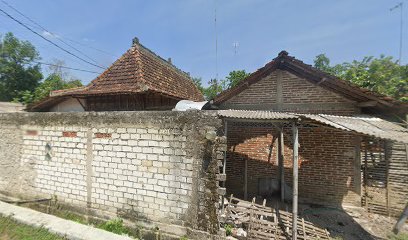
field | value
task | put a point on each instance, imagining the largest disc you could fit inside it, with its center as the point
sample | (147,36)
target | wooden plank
(221,191)
(303,228)
(281,164)
(221,177)
(246,180)
(295,180)
(357,164)
(387,160)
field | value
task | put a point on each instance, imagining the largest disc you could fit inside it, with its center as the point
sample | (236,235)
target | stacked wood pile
(262,222)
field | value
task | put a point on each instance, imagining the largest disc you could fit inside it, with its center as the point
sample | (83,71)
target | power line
(55,65)
(53,34)
(94,48)
(56,45)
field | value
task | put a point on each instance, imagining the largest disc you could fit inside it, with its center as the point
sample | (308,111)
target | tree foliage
(51,83)
(383,75)
(235,77)
(19,71)
(215,86)
(20,74)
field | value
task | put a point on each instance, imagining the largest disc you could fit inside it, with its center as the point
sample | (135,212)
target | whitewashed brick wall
(59,162)
(136,165)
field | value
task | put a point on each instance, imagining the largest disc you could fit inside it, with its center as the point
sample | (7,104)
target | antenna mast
(216,41)
(400,6)
(235,45)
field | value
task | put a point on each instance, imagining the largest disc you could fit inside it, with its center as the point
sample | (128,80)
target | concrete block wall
(148,166)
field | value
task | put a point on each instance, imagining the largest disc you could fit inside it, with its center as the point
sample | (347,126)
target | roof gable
(315,76)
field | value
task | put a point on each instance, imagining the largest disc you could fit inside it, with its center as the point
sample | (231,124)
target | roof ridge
(163,60)
(167,63)
(139,62)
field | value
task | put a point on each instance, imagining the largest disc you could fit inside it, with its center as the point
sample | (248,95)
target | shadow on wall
(326,170)
(326,163)
(319,206)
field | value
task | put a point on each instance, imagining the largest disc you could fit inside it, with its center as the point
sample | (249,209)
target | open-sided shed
(368,166)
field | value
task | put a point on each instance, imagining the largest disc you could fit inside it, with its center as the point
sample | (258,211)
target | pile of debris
(254,221)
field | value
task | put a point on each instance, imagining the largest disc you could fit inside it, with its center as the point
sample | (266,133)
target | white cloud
(49,34)
(88,40)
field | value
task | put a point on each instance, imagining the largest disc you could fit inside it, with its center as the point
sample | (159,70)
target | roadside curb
(56,225)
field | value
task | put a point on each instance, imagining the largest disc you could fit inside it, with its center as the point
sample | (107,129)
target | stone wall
(150,166)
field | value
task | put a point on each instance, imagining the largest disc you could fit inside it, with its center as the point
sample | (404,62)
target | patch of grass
(115,226)
(401,236)
(71,216)
(11,230)
(184,238)
(228,229)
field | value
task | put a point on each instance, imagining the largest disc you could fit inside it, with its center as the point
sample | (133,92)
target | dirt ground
(350,223)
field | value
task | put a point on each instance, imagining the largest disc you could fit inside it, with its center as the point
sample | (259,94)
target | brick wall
(283,91)
(148,166)
(326,161)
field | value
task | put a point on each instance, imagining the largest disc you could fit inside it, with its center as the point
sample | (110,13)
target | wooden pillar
(281,164)
(387,173)
(401,221)
(357,165)
(295,180)
(224,165)
(246,180)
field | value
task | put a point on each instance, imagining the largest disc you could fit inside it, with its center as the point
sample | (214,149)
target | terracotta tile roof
(138,70)
(310,73)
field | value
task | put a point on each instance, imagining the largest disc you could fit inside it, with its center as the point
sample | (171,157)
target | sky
(185,31)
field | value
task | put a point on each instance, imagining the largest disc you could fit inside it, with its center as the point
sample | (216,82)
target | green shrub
(184,238)
(228,229)
(401,236)
(115,226)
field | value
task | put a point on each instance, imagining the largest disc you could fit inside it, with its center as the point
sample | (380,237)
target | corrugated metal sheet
(367,125)
(256,115)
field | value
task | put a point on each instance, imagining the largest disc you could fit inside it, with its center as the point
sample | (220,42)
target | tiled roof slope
(297,67)
(137,70)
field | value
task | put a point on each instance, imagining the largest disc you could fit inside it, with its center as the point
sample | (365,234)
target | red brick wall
(262,92)
(325,165)
(298,95)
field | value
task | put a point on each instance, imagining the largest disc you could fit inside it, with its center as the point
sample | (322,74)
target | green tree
(18,71)
(54,81)
(198,82)
(235,77)
(382,75)
(51,83)
(214,88)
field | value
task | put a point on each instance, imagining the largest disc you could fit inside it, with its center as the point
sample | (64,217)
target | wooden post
(246,180)
(224,165)
(281,164)
(357,165)
(387,161)
(295,180)
(401,220)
